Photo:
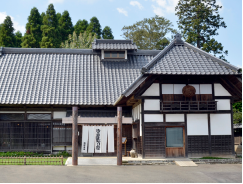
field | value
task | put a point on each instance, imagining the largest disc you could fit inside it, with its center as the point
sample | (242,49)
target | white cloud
(16,25)
(121,10)
(136,3)
(167,6)
(55,1)
(158,11)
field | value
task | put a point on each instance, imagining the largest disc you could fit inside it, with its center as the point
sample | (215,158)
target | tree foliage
(237,112)
(94,27)
(81,26)
(199,21)
(50,29)
(107,33)
(18,39)
(83,41)
(33,33)
(150,33)
(7,37)
(66,25)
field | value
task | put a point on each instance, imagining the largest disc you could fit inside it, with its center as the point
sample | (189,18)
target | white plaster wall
(219,90)
(153,90)
(152,104)
(57,148)
(153,118)
(44,112)
(11,112)
(223,104)
(220,124)
(174,118)
(197,124)
(167,89)
(205,88)
(69,148)
(196,86)
(57,115)
(178,88)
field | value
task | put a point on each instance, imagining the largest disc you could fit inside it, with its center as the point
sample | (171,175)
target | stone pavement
(206,173)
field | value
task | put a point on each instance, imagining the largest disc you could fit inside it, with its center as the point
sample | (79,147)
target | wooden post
(24,160)
(119,135)
(75,136)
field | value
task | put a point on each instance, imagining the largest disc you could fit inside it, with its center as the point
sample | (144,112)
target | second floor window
(114,54)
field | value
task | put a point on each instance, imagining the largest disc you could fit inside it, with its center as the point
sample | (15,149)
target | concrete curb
(218,161)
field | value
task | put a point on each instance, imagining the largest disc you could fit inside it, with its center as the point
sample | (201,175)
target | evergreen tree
(33,33)
(94,27)
(18,39)
(7,37)
(83,41)
(81,26)
(66,25)
(59,15)
(199,21)
(107,33)
(42,16)
(50,29)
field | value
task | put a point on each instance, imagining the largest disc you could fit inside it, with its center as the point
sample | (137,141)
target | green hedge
(32,154)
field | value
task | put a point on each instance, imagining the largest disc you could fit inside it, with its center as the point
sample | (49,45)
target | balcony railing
(189,106)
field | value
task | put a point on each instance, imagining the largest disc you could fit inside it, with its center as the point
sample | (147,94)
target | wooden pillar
(119,135)
(75,136)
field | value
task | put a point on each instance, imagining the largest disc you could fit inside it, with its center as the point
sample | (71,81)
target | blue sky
(118,13)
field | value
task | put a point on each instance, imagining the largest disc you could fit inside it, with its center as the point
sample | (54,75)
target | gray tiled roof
(113,45)
(184,59)
(29,76)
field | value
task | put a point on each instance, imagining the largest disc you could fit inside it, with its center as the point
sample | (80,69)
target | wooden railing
(189,106)
(31,160)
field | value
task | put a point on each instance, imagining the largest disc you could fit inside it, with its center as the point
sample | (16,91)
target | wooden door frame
(184,140)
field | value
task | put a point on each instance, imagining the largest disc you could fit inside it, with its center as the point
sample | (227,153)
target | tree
(149,33)
(18,39)
(50,29)
(83,41)
(199,21)
(33,33)
(107,33)
(94,27)
(42,16)
(59,15)
(7,37)
(81,26)
(237,112)
(66,26)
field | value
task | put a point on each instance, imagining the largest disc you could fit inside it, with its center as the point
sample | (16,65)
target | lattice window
(62,134)
(38,116)
(221,144)
(154,145)
(11,116)
(198,145)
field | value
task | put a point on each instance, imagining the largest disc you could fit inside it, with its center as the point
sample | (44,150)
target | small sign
(124,140)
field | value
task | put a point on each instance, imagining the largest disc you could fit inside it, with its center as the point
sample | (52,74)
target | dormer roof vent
(108,44)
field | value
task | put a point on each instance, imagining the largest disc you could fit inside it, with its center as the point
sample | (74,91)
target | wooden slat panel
(154,141)
(198,145)
(221,144)
(175,152)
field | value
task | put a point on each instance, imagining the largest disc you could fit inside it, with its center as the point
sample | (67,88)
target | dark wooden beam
(75,136)
(142,89)
(209,135)
(119,135)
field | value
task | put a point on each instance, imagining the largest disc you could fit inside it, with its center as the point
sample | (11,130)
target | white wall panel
(178,88)
(220,124)
(57,115)
(205,88)
(153,90)
(44,112)
(167,89)
(174,118)
(153,118)
(219,90)
(152,104)
(69,148)
(61,148)
(196,86)
(12,112)
(223,104)
(197,124)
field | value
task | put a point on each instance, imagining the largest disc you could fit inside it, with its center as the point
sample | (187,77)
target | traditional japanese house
(175,103)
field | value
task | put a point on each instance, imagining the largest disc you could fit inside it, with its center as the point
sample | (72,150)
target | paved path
(206,173)
(93,161)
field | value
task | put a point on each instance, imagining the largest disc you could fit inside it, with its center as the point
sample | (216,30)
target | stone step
(186,163)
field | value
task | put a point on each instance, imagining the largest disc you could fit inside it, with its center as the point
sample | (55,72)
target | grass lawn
(32,161)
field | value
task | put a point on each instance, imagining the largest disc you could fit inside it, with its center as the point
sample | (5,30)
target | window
(114,54)
(174,137)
